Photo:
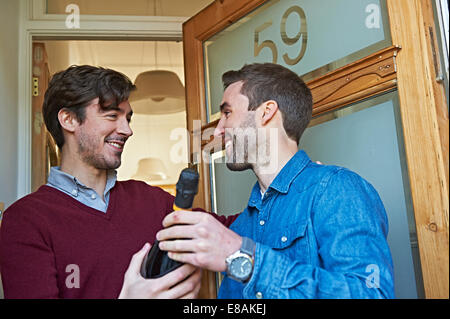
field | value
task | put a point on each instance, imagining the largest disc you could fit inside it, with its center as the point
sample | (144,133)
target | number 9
(301,33)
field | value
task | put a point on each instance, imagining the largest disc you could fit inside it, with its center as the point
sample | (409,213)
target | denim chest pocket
(291,240)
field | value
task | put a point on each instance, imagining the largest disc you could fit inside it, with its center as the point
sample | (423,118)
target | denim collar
(282,182)
(67,182)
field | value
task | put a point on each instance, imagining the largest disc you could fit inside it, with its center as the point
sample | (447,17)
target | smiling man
(309,230)
(75,236)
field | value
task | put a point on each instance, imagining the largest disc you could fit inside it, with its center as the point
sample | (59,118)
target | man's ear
(67,120)
(269,109)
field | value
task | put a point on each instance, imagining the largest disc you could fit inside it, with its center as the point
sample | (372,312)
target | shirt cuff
(267,277)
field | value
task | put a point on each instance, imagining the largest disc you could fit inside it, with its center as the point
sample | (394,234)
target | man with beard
(75,236)
(309,230)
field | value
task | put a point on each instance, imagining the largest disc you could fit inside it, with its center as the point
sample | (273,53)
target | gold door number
(302,33)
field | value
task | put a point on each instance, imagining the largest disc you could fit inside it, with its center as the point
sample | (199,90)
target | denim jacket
(320,232)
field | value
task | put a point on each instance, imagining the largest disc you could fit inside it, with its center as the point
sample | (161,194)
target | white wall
(9,63)
(151,138)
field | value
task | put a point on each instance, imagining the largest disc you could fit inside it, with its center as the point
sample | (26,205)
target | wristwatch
(240,263)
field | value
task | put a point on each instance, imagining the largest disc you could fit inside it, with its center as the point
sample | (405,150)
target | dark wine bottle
(157,263)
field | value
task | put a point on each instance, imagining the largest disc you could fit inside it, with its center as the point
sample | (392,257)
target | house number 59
(301,35)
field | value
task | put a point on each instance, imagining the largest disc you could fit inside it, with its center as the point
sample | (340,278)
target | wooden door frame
(423,108)
(39,132)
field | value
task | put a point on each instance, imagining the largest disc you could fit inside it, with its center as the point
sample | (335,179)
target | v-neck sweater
(53,246)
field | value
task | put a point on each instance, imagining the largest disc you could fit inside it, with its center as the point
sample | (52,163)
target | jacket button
(284,239)
(259,295)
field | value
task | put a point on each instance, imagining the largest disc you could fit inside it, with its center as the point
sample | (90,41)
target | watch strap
(248,246)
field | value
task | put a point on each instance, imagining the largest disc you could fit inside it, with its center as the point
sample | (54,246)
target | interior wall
(9,66)
(128,57)
(177,8)
(151,139)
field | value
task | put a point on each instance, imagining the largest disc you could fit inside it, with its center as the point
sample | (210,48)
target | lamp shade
(151,169)
(158,92)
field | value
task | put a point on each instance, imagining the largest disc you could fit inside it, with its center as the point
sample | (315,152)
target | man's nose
(124,128)
(219,130)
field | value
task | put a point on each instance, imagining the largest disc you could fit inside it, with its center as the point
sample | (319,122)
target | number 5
(265,44)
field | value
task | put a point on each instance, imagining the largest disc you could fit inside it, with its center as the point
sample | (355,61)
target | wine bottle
(157,263)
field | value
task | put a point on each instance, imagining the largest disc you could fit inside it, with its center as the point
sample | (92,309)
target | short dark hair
(74,88)
(268,81)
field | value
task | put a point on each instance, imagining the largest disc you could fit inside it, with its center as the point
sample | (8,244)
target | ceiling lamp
(151,169)
(158,92)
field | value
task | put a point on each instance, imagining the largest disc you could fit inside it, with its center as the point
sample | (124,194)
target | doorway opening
(157,151)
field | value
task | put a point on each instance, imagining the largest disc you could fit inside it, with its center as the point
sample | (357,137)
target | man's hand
(198,239)
(184,282)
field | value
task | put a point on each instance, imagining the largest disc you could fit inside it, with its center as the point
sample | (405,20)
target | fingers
(194,293)
(208,244)
(178,275)
(182,282)
(189,288)
(137,259)
(182,217)
(132,277)
(187,258)
(184,224)
(181,231)
(178,245)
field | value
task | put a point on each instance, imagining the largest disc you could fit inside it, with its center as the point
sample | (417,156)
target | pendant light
(151,169)
(158,92)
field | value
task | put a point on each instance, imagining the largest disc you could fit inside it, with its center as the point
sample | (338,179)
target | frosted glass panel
(303,35)
(230,190)
(366,138)
(369,142)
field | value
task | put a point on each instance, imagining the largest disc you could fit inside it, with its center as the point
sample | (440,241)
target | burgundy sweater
(50,242)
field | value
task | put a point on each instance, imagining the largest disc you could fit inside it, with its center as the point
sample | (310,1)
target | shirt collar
(285,177)
(67,182)
(289,172)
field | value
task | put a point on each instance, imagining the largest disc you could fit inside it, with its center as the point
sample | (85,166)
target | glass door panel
(301,35)
(367,138)
(230,190)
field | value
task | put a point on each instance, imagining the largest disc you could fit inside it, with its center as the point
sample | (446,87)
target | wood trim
(425,126)
(39,132)
(362,79)
(2,209)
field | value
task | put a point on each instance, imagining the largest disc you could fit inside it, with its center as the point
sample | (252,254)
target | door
(44,152)
(379,109)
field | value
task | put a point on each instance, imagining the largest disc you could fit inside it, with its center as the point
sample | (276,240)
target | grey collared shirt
(70,185)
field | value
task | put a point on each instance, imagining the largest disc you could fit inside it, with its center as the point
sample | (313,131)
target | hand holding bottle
(183,283)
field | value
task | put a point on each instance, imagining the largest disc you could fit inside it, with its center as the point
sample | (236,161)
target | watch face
(241,267)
